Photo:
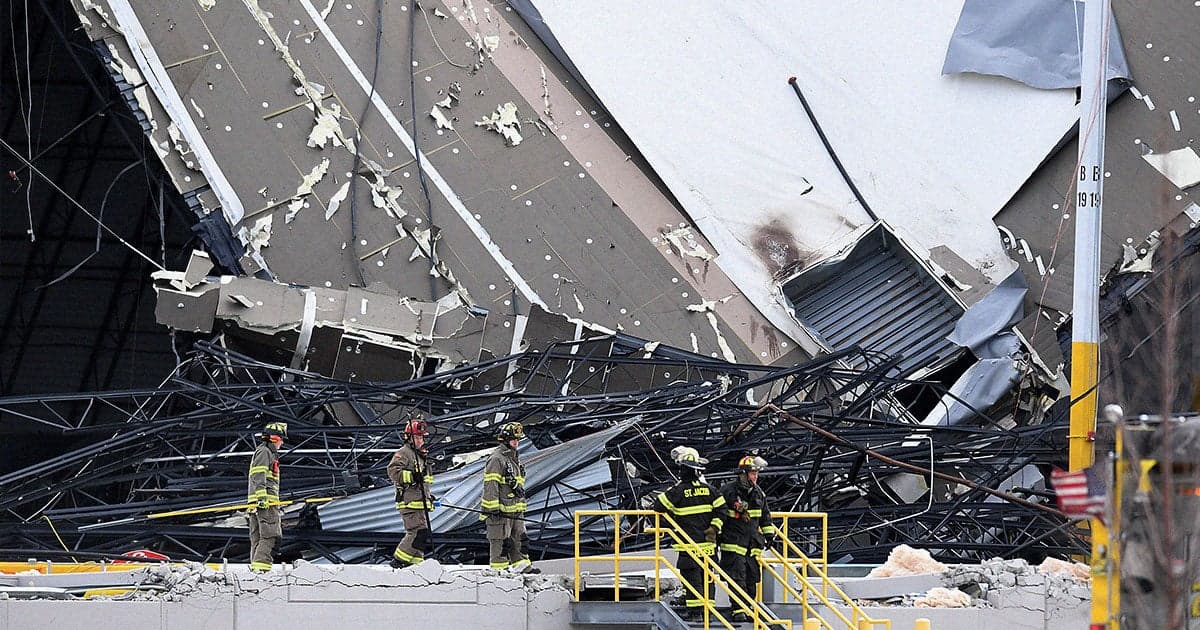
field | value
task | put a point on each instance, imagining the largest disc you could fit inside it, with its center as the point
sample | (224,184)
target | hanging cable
(358,140)
(33,169)
(829,148)
(99,221)
(412,108)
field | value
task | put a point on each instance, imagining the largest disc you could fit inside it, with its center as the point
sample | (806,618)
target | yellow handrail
(664,524)
(802,596)
(798,557)
(784,529)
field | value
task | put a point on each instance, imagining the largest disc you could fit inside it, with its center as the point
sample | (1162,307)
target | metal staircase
(805,583)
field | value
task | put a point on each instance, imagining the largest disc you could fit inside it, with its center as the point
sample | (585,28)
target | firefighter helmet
(688,457)
(415,427)
(275,428)
(752,463)
(510,431)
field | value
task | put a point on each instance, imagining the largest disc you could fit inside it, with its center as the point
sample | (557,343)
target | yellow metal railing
(809,569)
(664,525)
(785,528)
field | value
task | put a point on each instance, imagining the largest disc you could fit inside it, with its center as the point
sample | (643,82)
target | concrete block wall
(348,597)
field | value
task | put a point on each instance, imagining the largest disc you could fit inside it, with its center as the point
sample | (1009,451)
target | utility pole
(1085,305)
(1089,185)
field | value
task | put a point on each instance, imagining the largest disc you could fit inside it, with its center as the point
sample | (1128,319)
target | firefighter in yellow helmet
(409,470)
(694,505)
(262,495)
(503,504)
(746,526)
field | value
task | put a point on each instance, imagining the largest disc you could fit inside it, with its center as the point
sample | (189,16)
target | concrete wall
(1008,618)
(350,597)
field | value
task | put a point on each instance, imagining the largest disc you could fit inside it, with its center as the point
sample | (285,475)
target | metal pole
(1085,306)
(1089,186)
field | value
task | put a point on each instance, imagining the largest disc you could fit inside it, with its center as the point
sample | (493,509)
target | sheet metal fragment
(683,240)
(439,118)
(1181,166)
(336,200)
(708,307)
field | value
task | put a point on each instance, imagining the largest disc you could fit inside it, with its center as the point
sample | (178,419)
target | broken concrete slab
(886,587)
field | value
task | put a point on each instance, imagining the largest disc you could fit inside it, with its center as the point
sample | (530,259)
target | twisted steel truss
(839,439)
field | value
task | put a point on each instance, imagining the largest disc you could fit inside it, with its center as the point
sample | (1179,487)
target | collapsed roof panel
(1158,115)
(880,297)
(936,155)
(1031,41)
(274,93)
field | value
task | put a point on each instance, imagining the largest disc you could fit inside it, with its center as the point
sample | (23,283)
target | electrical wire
(812,118)
(33,169)
(103,203)
(60,540)
(433,37)
(412,108)
(358,142)
(29,122)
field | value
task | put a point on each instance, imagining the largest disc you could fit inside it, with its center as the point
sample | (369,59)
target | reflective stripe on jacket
(744,533)
(264,475)
(503,483)
(694,505)
(409,470)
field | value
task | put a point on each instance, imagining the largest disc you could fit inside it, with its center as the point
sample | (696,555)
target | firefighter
(263,496)
(503,503)
(694,505)
(746,524)
(409,470)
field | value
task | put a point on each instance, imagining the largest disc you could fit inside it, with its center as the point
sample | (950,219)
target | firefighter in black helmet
(503,503)
(409,470)
(262,495)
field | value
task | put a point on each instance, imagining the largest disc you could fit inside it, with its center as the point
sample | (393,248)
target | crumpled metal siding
(558,479)
(879,298)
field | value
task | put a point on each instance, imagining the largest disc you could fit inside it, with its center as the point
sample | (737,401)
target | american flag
(1081,492)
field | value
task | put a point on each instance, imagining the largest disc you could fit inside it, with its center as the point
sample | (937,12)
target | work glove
(646,502)
(710,534)
(741,507)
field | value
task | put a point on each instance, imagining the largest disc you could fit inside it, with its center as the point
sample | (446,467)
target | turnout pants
(693,574)
(415,543)
(744,571)
(507,542)
(265,532)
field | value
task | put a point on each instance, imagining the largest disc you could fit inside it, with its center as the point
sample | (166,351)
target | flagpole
(1089,188)
(1085,305)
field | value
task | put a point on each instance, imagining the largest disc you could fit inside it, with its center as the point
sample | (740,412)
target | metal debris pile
(838,437)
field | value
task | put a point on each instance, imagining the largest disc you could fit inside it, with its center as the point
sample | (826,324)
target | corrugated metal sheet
(879,297)
(557,478)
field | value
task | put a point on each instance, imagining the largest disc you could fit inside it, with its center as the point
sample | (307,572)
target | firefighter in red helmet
(409,470)
(262,494)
